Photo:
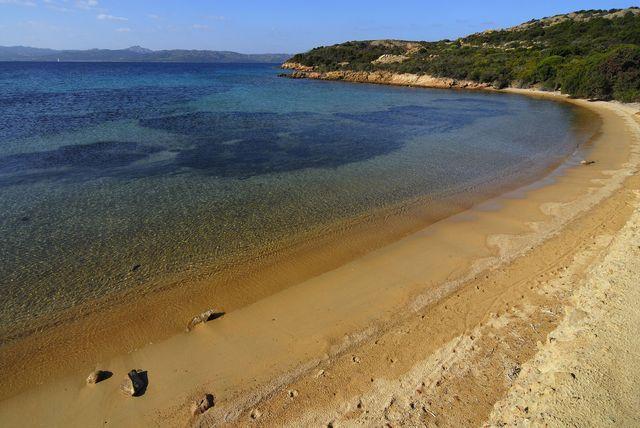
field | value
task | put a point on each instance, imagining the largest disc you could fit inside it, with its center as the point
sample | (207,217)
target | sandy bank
(449,306)
(547,339)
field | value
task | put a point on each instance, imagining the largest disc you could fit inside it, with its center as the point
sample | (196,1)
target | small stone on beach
(209,315)
(98,376)
(255,414)
(202,405)
(587,162)
(135,384)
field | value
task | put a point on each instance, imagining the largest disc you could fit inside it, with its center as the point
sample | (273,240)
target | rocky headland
(381,77)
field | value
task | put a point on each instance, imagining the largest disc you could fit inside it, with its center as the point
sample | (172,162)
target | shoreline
(394,265)
(348,241)
(93,331)
(382,78)
(383,378)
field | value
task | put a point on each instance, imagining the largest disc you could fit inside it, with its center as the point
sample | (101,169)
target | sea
(115,177)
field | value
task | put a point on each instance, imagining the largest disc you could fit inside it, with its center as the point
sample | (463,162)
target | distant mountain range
(133,54)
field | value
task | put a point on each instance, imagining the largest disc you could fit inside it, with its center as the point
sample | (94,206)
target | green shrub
(597,58)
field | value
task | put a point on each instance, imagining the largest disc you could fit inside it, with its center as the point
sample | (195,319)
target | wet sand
(431,283)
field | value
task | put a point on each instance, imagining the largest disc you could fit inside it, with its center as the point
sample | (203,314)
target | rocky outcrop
(296,66)
(390,59)
(388,78)
(580,16)
(391,43)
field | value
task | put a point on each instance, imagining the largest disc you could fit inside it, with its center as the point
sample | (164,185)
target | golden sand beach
(497,314)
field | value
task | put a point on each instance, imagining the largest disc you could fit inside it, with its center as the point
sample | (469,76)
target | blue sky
(253,26)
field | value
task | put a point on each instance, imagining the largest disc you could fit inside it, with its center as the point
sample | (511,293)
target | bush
(547,69)
(612,75)
(621,67)
(595,58)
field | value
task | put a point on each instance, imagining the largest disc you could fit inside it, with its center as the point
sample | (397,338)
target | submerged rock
(98,376)
(200,406)
(135,384)
(209,315)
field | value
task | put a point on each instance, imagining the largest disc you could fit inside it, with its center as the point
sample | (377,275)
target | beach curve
(247,359)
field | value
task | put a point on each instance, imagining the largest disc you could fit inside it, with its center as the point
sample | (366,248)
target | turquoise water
(114,176)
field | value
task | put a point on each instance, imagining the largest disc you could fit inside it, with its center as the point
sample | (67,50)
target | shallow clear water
(115,175)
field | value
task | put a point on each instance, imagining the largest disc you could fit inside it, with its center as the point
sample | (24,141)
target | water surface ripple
(115,176)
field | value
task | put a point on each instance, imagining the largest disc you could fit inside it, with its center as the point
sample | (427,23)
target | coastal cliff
(382,77)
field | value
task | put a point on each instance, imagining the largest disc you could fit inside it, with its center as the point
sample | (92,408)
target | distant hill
(588,54)
(133,54)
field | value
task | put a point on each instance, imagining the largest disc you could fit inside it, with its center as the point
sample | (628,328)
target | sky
(259,26)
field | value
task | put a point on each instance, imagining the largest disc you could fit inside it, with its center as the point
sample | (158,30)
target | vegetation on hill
(589,54)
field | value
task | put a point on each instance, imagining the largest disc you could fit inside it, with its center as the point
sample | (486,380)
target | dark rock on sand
(200,406)
(135,384)
(98,376)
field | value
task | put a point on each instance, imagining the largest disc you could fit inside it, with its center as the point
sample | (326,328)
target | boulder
(135,384)
(198,407)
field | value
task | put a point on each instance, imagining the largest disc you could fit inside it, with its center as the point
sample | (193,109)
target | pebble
(200,406)
(98,376)
(208,315)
